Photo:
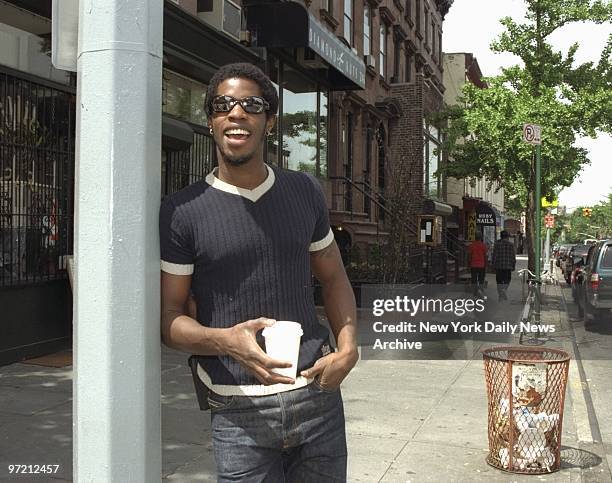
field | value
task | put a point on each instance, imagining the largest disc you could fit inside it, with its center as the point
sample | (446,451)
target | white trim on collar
(252,195)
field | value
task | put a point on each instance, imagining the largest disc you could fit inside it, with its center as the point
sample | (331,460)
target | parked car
(594,286)
(576,253)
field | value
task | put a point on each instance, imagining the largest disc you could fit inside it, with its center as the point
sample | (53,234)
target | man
(504,262)
(477,252)
(245,242)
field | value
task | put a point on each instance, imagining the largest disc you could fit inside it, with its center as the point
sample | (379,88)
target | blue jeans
(293,436)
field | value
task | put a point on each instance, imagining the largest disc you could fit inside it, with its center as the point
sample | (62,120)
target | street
(593,347)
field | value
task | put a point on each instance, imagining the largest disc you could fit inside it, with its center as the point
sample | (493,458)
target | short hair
(504,234)
(242,70)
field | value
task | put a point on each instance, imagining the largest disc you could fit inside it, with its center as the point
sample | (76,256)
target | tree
(549,90)
(578,227)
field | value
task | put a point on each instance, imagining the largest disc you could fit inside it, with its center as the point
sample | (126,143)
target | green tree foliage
(577,227)
(549,89)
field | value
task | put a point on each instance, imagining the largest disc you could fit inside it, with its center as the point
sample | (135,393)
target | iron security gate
(182,168)
(36,178)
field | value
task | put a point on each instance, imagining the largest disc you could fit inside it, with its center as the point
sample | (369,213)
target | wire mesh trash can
(526,394)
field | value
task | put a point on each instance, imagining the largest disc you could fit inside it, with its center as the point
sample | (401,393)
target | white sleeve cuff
(321,244)
(176,268)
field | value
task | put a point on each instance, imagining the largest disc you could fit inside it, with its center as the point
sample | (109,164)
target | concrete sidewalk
(415,421)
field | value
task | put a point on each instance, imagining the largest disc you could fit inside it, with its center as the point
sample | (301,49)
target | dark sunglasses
(250,104)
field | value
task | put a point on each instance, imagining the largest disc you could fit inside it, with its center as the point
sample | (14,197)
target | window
(431,161)
(408,8)
(347,140)
(440,47)
(606,259)
(348,21)
(302,122)
(417,15)
(426,19)
(183,97)
(434,52)
(396,62)
(328,5)
(367,29)
(408,66)
(383,49)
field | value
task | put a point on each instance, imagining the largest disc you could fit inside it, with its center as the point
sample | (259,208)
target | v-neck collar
(252,195)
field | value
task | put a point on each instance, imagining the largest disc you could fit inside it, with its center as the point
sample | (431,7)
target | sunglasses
(250,104)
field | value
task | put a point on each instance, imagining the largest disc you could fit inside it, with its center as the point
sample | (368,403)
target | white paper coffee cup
(283,343)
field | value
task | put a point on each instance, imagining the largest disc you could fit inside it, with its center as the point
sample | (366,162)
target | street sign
(532,133)
(550,204)
(549,220)
(64,34)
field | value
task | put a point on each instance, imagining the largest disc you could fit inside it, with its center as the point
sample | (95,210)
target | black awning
(290,25)
(485,215)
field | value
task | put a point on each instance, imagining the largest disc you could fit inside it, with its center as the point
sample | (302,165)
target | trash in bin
(526,393)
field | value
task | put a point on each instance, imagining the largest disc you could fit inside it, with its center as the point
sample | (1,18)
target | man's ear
(270,123)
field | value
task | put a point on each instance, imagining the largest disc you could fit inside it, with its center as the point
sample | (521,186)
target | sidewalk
(418,421)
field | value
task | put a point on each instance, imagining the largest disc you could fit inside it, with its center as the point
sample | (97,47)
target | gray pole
(116,413)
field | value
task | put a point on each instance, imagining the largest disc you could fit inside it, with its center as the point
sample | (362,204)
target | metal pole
(547,249)
(116,411)
(538,228)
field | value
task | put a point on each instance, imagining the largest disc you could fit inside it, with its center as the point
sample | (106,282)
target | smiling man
(245,242)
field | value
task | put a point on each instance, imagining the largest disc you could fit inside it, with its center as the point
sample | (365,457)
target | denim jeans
(293,436)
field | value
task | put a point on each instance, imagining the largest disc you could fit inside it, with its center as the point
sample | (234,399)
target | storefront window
(301,122)
(183,98)
(300,130)
(323,134)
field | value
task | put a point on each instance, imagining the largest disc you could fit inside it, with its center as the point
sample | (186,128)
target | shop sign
(485,215)
(324,43)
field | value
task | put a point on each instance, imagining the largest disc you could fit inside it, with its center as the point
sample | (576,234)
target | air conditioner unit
(370,61)
(308,58)
(224,15)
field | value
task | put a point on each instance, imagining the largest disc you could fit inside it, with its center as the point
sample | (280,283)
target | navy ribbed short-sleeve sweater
(248,254)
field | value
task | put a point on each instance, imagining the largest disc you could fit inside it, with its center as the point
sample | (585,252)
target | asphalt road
(593,347)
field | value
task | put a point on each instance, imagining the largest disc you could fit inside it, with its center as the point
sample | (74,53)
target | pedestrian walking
(504,262)
(477,252)
(243,244)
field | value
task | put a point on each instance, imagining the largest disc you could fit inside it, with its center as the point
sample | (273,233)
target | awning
(485,215)
(437,208)
(290,25)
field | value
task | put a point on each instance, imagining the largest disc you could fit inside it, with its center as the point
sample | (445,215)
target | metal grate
(36,178)
(526,395)
(182,168)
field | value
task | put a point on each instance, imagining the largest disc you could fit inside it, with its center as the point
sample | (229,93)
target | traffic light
(587,212)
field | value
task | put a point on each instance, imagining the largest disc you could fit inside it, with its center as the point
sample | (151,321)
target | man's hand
(332,368)
(240,344)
